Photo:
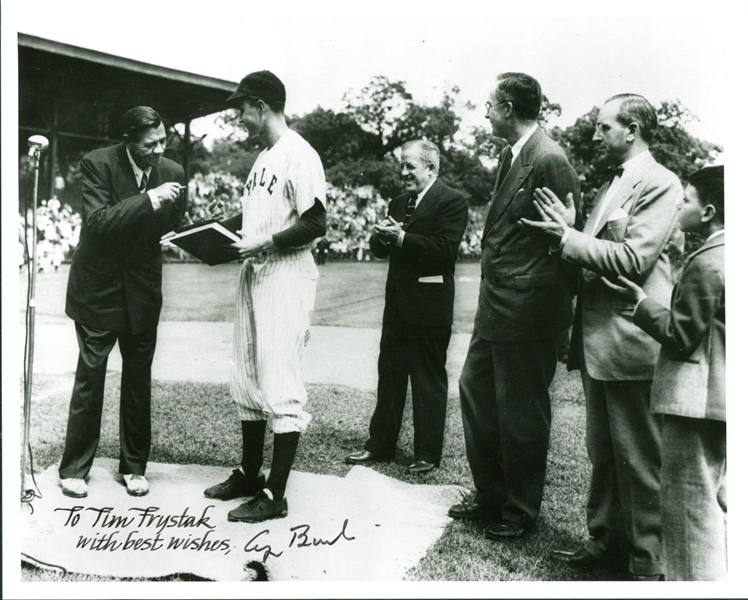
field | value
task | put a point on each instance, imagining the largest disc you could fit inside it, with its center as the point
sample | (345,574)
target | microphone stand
(27,493)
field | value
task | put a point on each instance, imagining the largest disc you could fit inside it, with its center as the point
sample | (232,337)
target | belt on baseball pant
(277,255)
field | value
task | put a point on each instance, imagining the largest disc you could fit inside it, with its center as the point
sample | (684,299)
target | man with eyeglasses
(132,195)
(523,306)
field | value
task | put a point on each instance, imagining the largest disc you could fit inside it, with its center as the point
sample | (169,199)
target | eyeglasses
(490,105)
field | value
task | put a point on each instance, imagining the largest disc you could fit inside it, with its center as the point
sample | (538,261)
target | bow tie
(617,171)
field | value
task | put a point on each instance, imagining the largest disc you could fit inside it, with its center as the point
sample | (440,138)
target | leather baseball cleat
(258,509)
(238,485)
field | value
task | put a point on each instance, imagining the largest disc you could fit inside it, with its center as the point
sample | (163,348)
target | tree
(675,147)
(377,109)
(335,136)
(547,108)
(233,153)
(438,124)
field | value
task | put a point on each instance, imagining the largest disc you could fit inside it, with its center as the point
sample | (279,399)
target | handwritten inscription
(149,529)
(300,537)
(109,536)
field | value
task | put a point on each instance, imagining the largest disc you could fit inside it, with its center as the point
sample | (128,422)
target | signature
(300,537)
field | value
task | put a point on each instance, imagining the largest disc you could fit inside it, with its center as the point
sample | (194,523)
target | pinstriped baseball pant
(274,302)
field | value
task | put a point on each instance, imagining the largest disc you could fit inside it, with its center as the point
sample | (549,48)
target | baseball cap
(262,84)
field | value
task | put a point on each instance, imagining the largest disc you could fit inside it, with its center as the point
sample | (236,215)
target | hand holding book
(207,240)
(252,245)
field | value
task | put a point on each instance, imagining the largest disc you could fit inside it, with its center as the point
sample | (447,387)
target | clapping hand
(388,230)
(567,210)
(557,217)
(627,288)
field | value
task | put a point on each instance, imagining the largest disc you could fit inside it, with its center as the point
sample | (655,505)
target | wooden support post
(187,147)
(53,138)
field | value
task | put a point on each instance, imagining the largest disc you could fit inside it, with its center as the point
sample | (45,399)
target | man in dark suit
(421,236)
(633,219)
(132,195)
(523,306)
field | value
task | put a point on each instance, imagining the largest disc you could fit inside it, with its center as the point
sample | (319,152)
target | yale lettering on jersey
(253,183)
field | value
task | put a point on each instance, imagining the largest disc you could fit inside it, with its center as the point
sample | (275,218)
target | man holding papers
(421,236)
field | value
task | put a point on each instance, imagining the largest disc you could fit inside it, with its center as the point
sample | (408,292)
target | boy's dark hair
(709,184)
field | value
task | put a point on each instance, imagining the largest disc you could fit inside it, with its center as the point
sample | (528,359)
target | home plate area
(364,526)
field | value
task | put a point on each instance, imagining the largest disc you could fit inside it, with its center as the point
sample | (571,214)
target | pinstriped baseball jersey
(282,185)
(276,291)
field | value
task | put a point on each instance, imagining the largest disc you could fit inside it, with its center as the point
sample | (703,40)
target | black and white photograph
(372,299)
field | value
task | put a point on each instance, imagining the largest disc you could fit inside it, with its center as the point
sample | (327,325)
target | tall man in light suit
(633,218)
(132,196)
(424,229)
(523,307)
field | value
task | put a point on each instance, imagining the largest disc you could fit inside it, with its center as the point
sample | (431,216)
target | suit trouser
(86,403)
(623,442)
(421,354)
(694,499)
(506,415)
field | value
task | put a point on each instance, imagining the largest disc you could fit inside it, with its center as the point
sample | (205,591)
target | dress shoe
(362,457)
(74,488)
(469,509)
(137,485)
(422,466)
(508,530)
(579,558)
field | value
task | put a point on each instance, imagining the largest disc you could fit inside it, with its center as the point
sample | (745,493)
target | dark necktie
(143,182)
(410,208)
(505,163)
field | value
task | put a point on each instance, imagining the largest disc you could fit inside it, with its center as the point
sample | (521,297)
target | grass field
(349,294)
(196,423)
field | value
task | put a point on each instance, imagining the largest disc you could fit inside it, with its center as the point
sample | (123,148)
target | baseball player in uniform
(283,212)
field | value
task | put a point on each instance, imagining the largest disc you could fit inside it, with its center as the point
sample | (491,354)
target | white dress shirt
(419,197)
(520,143)
(155,202)
(628,169)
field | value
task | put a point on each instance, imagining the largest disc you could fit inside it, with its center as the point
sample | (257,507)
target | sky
(581,52)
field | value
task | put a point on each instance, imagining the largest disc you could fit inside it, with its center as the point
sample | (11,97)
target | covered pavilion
(75,97)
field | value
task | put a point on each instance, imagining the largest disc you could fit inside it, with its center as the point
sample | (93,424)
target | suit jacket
(115,277)
(689,377)
(524,292)
(633,246)
(432,237)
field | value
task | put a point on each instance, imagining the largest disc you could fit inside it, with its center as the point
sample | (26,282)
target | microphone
(37,144)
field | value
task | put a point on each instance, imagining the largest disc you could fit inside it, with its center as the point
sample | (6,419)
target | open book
(207,240)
